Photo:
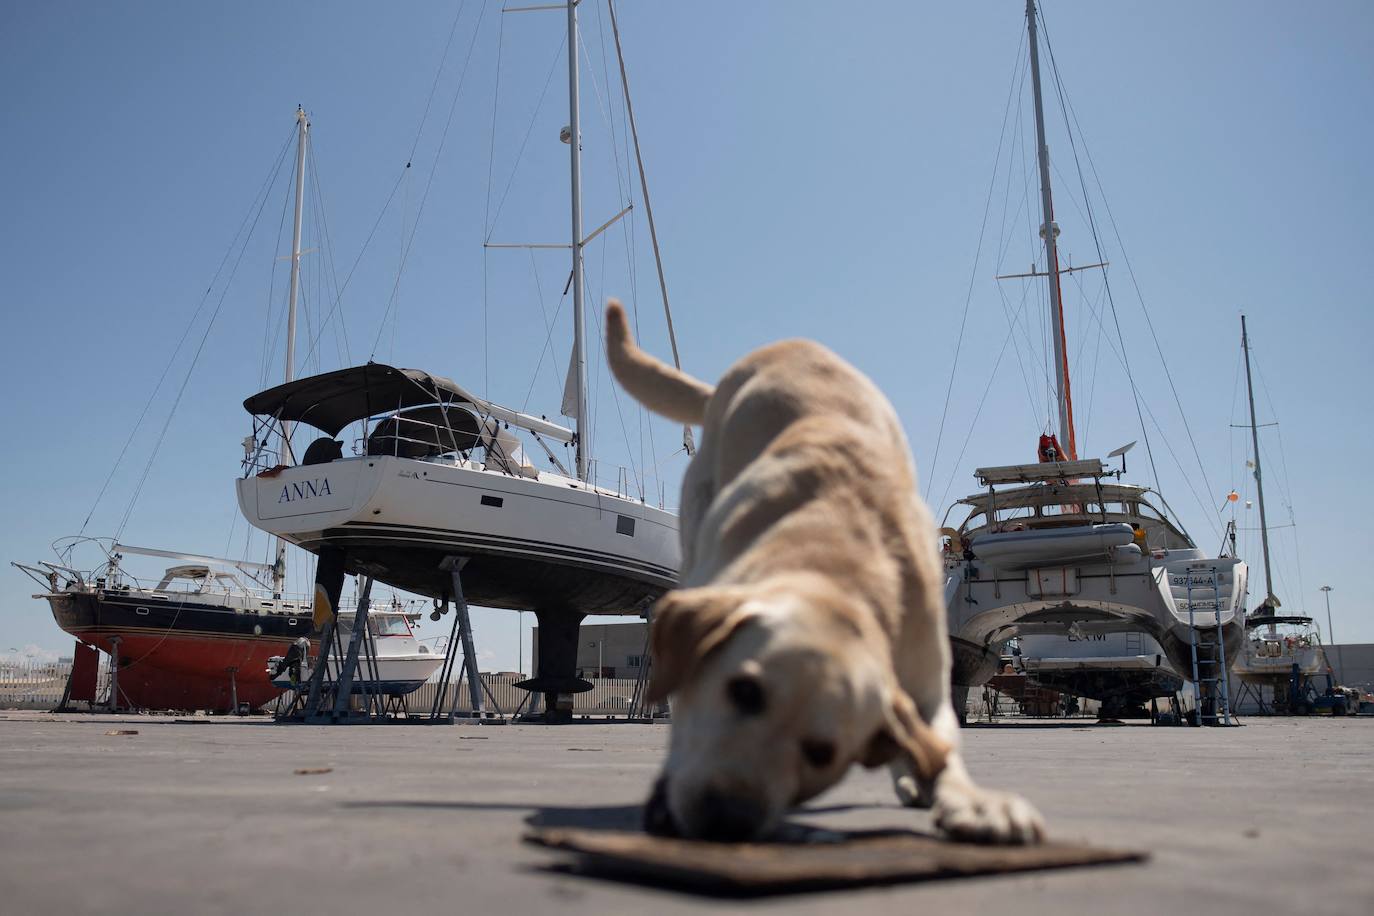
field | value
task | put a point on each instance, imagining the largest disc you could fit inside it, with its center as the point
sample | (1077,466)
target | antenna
(1121,453)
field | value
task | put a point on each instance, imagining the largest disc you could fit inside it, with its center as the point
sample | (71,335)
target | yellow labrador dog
(808,630)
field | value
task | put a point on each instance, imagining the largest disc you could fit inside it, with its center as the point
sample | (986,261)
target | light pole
(600,644)
(1330,632)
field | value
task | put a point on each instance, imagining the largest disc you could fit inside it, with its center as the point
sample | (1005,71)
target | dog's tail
(658,386)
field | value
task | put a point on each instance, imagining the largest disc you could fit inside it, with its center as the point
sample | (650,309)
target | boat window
(1145,510)
(389,625)
(624,524)
(493,501)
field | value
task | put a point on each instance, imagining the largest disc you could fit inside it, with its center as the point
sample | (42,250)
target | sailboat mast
(1269,598)
(579,320)
(302,132)
(1049,232)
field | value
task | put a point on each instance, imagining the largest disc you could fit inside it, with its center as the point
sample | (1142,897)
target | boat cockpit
(402,413)
(199,579)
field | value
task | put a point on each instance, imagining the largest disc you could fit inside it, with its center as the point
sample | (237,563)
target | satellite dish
(1121,453)
(1117,453)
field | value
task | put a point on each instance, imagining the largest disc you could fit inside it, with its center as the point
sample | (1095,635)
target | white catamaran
(1064,547)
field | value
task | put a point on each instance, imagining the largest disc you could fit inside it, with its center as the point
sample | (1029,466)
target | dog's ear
(905,732)
(688,624)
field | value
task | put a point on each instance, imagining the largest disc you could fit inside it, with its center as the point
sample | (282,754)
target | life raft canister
(1049,449)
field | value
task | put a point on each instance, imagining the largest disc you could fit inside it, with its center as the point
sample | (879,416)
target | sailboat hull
(550,543)
(182,653)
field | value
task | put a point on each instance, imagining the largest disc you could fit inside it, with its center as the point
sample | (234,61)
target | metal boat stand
(329,701)
(460,640)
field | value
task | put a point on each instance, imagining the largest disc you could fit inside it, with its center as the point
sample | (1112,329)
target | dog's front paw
(984,816)
(908,791)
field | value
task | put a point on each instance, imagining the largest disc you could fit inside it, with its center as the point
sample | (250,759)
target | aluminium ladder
(1208,669)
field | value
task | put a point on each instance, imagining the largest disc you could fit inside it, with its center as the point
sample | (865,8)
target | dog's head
(778,690)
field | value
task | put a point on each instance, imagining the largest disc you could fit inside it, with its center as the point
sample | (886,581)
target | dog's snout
(658,820)
(727,817)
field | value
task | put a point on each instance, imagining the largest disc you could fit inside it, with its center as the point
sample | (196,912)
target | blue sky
(817,170)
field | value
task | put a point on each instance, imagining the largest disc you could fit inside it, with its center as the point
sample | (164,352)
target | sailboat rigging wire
(1120,354)
(190,370)
(1013,321)
(1018,82)
(486,220)
(400,269)
(434,86)
(1285,488)
(628,232)
(358,260)
(620,142)
(520,154)
(327,255)
(269,340)
(974,422)
(263,193)
(1068,112)
(615,398)
(968,295)
(549,325)
(1093,310)
(429,181)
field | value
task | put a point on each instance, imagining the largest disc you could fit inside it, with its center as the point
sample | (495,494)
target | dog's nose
(658,820)
(727,818)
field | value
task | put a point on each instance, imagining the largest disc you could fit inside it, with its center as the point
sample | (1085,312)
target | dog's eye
(746,693)
(820,754)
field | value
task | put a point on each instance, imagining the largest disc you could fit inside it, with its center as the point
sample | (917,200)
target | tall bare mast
(1269,598)
(1050,232)
(302,135)
(579,320)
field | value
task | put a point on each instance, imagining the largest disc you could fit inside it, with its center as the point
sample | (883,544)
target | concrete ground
(209,816)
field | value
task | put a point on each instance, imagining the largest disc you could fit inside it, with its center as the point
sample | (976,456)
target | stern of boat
(293,502)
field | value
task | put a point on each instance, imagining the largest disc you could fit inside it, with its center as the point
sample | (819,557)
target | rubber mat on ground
(808,860)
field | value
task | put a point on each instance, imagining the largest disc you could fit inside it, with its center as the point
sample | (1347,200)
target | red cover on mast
(1064,348)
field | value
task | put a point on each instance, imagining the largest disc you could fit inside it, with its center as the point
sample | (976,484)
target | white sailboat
(1065,547)
(421,484)
(198,637)
(1282,652)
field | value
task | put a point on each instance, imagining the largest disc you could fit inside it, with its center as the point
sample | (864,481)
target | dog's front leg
(964,810)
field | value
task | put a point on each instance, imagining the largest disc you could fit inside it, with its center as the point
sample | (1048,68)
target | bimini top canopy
(331,401)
